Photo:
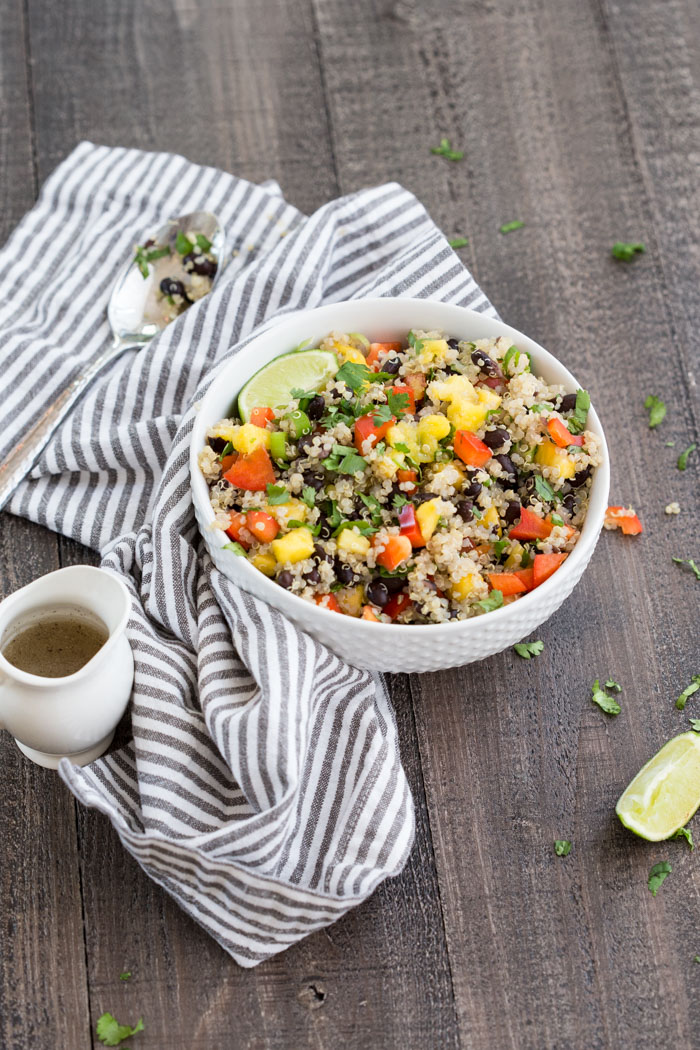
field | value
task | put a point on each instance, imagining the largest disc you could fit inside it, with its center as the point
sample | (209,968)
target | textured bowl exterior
(393,647)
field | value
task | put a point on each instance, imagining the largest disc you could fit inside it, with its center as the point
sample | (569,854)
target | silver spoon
(133,323)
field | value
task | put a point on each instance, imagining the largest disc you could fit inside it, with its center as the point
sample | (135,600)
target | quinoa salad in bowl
(419,481)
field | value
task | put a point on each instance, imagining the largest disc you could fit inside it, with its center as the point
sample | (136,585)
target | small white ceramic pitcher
(75,716)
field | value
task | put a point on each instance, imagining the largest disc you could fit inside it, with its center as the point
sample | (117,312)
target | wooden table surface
(581,118)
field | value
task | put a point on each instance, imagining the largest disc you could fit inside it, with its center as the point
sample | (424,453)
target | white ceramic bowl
(379,646)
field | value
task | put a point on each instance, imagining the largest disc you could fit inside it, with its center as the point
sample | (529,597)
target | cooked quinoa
(431,479)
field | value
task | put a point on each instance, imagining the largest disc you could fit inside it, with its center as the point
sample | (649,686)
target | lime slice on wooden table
(666,792)
(272,386)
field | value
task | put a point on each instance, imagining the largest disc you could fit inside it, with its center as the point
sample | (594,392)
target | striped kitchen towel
(263,787)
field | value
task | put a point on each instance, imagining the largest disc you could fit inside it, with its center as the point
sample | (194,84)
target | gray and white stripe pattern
(263,786)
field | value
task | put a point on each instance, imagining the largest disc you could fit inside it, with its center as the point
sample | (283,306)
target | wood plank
(574,951)
(383,970)
(43,984)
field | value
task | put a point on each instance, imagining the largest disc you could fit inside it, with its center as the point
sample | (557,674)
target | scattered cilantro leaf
(562,847)
(690,563)
(695,724)
(183,245)
(203,243)
(656,409)
(625,252)
(445,150)
(143,256)
(511,352)
(458,242)
(111,1033)
(500,545)
(544,489)
(293,523)
(276,495)
(125,975)
(354,375)
(374,506)
(669,444)
(697,959)
(685,833)
(508,227)
(540,408)
(365,528)
(308,496)
(398,403)
(555,519)
(235,548)
(611,684)
(416,344)
(688,692)
(604,701)
(529,649)
(577,423)
(657,875)
(399,501)
(226,451)
(683,458)
(382,414)
(494,601)
(344,460)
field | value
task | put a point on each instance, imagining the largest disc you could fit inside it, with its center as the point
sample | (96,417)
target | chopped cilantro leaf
(125,975)
(416,344)
(494,601)
(683,458)
(203,243)
(375,507)
(544,489)
(690,563)
(183,245)
(500,545)
(562,847)
(696,959)
(400,447)
(657,875)
(695,724)
(508,227)
(334,518)
(688,692)
(381,415)
(528,649)
(610,684)
(540,408)
(577,423)
(657,410)
(685,833)
(354,375)
(143,256)
(458,242)
(399,501)
(398,403)
(604,701)
(511,352)
(344,460)
(235,548)
(308,496)
(555,519)
(293,523)
(277,494)
(365,528)
(625,252)
(111,1033)
(445,150)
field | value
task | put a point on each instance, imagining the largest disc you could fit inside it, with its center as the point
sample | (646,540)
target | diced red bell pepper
(237,522)
(396,605)
(253,471)
(409,525)
(417,381)
(328,601)
(261,525)
(506,582)
(368,613)
(560,433)
(366,429)
(375,349)
(261,416)
(407,477)
(526,576)
(410,394)
(228,461)
(470,449)
(397,549)
(544,565)
(530,527)
(623,518)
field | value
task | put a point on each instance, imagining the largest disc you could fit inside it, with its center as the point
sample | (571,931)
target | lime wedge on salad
(272,386)
(666,792)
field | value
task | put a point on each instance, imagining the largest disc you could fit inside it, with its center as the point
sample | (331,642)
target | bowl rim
(590,530)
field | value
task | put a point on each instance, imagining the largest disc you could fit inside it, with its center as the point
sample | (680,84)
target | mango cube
(294,546)
(550,455)
(350,353)
(433,351)
(427,516)
(462,588)
(456,388)
(352,542)
(490,517)
(265,563)
(249,437)
(351,599)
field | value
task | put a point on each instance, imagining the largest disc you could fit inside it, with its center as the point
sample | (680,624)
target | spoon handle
(19,462)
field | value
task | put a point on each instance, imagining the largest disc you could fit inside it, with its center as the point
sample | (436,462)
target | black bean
(392,366)
(171,286)
(324,532)
(509,479)
(528,488)
(485,363)
(581,477)
(218,444)
(422,497)
(473,489)
(343,572)
(569,503)
(195,262)
(285,579)
(316,407)
(496,438)
(465,509)
(312,576)
(314,479)
(378,592)
(567,403)
(394,584)
(321,554)
(453,343)
(512,512)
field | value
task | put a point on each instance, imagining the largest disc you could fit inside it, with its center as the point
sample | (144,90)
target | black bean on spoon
(171,286)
